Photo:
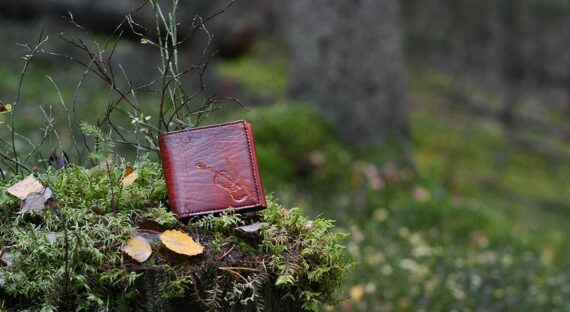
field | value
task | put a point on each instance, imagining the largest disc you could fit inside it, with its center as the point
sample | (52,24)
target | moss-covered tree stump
(269,297)
(67,255)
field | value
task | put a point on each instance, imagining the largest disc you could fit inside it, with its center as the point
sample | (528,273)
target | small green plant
(308,257)
(71,256)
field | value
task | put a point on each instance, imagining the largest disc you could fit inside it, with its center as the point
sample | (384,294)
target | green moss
(70,256)
(308,257)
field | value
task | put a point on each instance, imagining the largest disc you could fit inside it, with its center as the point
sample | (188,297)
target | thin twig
(14,161)
(28,59)
(226,253)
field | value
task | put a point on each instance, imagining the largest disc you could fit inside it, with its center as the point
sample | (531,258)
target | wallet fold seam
(249,149)
(203,128)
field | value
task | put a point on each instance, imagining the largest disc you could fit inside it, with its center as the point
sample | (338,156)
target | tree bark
(347,60)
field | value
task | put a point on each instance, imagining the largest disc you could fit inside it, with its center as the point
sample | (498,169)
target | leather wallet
(210,169)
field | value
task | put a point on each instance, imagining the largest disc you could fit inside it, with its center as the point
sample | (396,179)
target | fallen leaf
(129,179)
(252,232)
(252,228)
(6,256)
(181,243)
(35,202)
(47,193)
(25,187)
(128,170)
(5,108)
(138,248)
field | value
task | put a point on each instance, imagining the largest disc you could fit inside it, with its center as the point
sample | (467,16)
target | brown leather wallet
(210,169)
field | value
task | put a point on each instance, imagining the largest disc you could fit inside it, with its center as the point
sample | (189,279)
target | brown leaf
(128,170)
(151,225)
(98,211)
(129,179)
(181,243)
(138,248)
(25,187)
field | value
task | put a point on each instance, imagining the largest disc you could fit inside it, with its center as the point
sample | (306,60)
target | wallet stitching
(253,174)
(203,128)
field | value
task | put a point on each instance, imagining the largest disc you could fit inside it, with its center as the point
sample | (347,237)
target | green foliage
(70,256)
(434,252)
(103,144)
(303,257)
(160,215)
(224,223)
(307,256)
(296,147)
(262,73)
(443,236)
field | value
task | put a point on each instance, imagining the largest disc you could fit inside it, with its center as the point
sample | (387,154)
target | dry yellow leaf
(181,243)
(128,170)
(357,292)
(25,187)
(138,248)
(5,108)
(129,179)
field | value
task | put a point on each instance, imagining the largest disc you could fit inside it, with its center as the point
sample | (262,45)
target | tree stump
(210,271)
(151,300)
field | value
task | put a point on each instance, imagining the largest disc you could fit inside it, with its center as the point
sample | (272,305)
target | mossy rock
(69,256)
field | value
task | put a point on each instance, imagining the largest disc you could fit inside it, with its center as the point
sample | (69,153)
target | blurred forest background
(435,132)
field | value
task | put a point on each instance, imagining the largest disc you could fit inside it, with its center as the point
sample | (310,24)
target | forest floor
(479,223)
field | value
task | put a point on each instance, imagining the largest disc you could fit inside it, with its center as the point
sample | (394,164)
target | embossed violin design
(231,181)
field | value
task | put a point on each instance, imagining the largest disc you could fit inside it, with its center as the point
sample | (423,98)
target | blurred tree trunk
(97,16)
(347,60)
(512,72)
